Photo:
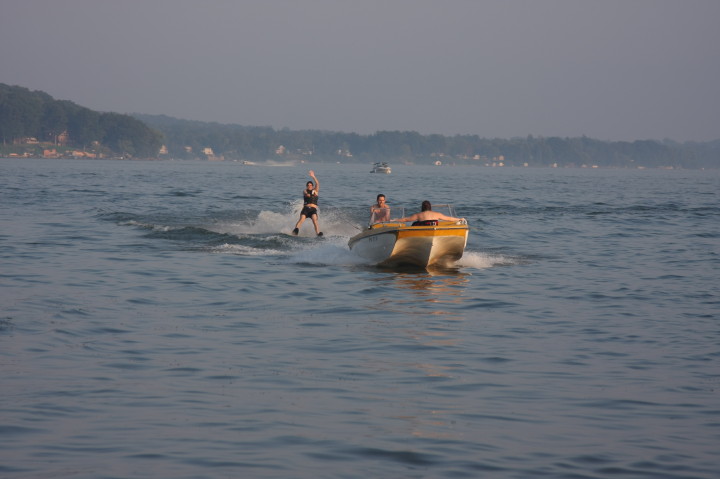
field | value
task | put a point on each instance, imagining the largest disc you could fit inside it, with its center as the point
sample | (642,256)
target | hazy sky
(608,69)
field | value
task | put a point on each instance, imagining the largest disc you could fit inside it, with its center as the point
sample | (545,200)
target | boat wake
(480,260)
(267,234)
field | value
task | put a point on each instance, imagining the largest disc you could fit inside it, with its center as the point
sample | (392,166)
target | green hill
(33,120)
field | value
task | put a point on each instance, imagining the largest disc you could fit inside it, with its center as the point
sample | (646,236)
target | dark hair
(379,196)
(426,206)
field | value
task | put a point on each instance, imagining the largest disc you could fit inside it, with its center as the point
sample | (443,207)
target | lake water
(158,321)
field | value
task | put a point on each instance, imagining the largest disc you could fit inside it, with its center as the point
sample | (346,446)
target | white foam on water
(332,223)
(330,251)
(247,250)
(479,260)
(267,222)
(150,226)
(275,228)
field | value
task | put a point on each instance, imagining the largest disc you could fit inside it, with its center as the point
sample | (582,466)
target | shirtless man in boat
(427,216)
(380,211)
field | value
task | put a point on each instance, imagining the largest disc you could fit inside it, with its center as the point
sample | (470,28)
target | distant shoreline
(29,119)
(275,163)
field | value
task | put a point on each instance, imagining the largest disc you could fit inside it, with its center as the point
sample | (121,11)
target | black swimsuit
(425,223)
(309,199)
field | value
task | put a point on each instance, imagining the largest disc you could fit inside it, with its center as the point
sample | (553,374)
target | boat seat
(425,223)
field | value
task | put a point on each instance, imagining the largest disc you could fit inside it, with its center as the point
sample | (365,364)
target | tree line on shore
(25,113)
(187,138)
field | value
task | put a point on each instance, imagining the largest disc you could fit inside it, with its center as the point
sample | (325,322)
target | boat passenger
(427,217)
(310,200)
(380,211)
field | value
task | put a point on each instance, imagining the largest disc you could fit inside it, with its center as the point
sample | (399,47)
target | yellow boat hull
(391,244)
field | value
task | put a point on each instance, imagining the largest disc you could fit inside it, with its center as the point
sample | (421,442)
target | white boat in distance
(381,168)
(391,243)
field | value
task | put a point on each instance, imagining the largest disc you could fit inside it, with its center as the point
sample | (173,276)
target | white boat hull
(390,244)
(381,168)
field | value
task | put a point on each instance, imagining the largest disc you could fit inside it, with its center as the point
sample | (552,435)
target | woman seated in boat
(427,217)
(380,211)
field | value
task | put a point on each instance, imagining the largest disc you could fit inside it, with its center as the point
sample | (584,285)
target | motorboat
(381,168)
(388,242)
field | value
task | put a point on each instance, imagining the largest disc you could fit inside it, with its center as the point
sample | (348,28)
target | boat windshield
(447,210)
(387,214)
(383,215)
